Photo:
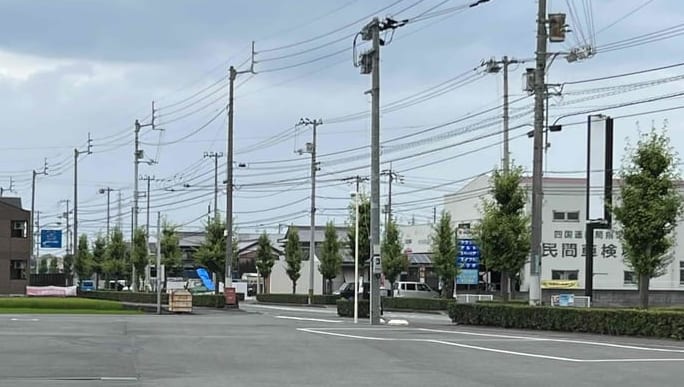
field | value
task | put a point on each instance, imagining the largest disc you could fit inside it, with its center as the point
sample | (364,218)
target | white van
(413,290)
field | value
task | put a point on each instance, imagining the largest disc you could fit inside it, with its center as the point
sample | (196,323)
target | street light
(355,197)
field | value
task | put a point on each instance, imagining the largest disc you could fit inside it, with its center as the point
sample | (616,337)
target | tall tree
(444,253)
(364,229)
(139,254)
(330,259)
(265,259)
(43,266)
(503,235)
(53,267)
(67,268)
(82,261)
(99,256)
(293,257)
(394,261)
(116,264)
(212,252)
(170,249)
(650,205)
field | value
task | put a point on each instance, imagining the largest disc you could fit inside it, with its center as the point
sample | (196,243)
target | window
(558,216)
(17,269)
(423,288)
(572,216)
(568,275)
(681,272)
(630,278)
(410,286)
(19,229)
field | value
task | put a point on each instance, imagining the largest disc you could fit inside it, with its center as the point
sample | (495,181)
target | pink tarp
(58,291)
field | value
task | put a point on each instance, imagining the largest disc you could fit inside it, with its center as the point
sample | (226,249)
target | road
(299,346)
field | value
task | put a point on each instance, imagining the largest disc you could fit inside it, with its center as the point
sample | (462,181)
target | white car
(413,290)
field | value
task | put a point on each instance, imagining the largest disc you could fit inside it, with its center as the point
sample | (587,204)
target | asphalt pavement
(295,346)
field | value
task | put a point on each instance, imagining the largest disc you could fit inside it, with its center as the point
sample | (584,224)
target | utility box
(180,302)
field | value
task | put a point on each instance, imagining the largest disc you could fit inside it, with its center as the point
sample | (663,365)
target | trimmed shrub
(406,303)
(628,322)
(325,299)
(58,303)
(283,298)
(209,300)
(345,308)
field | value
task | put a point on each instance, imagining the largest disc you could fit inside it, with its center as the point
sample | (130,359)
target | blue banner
(206,278)
(51,239)
(468,260)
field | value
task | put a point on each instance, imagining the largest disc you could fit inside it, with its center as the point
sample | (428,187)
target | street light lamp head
(555,128)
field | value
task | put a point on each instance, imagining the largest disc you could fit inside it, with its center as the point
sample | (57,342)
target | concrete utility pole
(108,191)
(494,66)
(311,148)
(537,160)
(370,64)
(66,216)
(138,156)
(393,176)
(215,156)
(147,178)
(358,179)
(119,221)
(77,153)
(228,268)
(33,210)
(158,263)
(9,189)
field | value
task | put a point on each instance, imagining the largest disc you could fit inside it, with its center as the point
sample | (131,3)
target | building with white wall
(563,238)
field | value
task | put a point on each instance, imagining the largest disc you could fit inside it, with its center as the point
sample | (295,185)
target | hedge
(628,322)
(345,308)
(208,300)
(407,303)
(300,299)
(70,303)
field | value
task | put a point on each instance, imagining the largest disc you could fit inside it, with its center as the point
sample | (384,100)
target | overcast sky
(69,68)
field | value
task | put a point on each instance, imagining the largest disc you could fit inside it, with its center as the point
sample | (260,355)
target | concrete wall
(618,298)
(280,283)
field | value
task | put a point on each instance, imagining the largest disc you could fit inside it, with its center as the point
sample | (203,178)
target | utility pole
(66,216)
(311,148)
(358,179)
(108,191)
(158,263)
(494,66)
(393,176)
(77,153)
(232,74)
(215,156)
(537,163)
(138,156)
(9,189)
(33,210)
(370,64)
(147,178)
(119,221)
(36,241)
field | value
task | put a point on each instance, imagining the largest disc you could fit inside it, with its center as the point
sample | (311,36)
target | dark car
(347,291)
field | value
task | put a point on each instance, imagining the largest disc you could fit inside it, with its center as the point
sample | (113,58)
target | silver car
(413,290)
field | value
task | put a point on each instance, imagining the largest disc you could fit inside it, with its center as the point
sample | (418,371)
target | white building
(416,237)
(563,228)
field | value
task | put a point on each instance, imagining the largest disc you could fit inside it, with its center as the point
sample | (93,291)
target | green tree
(139,255)
(212,252)
(444,253)
(99,257)
(364,230)
(170,249)
(82,261)
(67,268)
(293,257)
(330,259)
(116,265)
(649,208)
(265,259)
(52,266)
(503,235)
(43,266)
(394,261)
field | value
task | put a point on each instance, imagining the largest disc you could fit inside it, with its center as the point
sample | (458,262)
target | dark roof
(420,259)
(14,202)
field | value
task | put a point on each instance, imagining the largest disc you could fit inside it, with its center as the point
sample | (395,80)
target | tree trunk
(509,287)
(97,280)
(644,280)
(448,289)
(505,286)
(294,287)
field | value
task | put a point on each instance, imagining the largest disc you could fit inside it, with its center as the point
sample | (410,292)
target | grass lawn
(59,305)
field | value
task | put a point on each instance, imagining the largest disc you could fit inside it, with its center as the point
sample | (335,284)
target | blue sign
(206,278)
(51,239)
(468,260)
(566,300)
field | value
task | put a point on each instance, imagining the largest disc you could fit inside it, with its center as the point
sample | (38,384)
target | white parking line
(308,319)
(24,319)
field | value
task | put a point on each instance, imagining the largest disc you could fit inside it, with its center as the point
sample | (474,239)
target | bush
(345,308)
(406,303)
(325,299)
(283,298)
(629,322)
(209,300)
(58,303)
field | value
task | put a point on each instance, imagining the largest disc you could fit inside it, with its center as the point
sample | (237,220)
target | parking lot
(314,347)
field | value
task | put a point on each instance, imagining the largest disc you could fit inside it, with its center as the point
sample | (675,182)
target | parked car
(413,290)
(87,285)
(347,291)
